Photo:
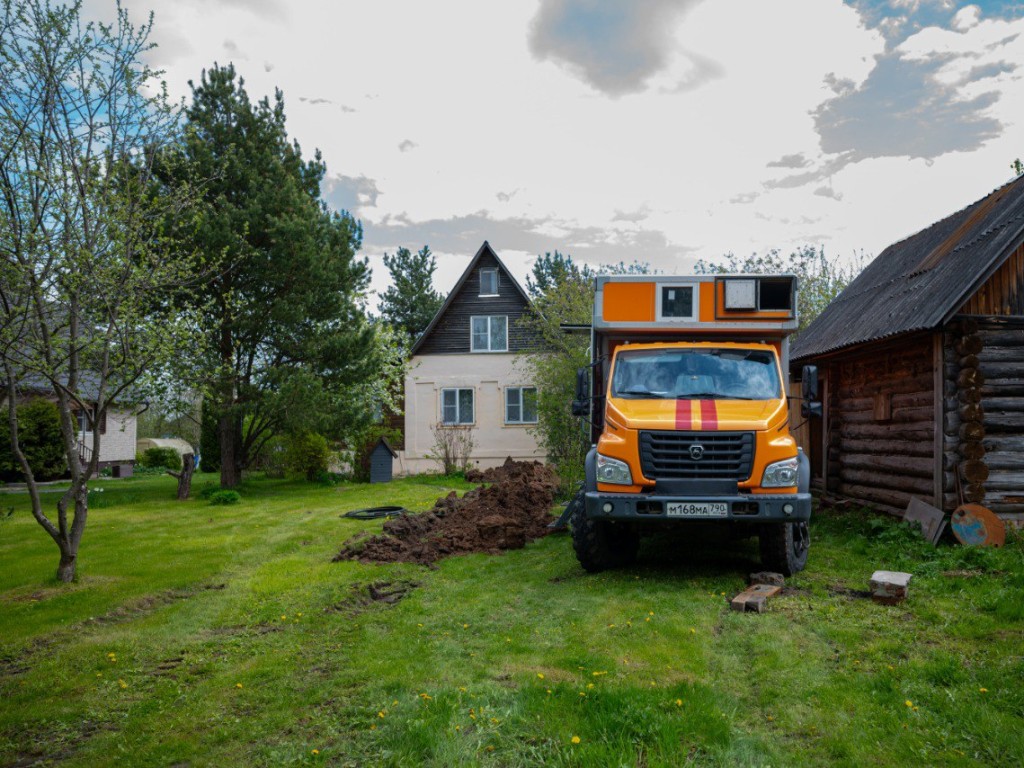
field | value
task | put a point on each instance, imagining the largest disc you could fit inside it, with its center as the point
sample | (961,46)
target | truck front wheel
(784,547)
(602,544)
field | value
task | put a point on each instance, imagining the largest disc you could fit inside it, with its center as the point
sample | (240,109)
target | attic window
(488,282)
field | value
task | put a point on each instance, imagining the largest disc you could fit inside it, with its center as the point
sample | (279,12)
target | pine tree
(410,302)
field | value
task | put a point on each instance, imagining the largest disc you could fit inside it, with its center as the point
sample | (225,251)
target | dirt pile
(506,515)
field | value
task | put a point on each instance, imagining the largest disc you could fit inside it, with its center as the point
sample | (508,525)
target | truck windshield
(726,374)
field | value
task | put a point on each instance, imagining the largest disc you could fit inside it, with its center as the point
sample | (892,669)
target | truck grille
(726,455)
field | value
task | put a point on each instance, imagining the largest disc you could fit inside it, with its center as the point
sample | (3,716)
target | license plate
(698,509)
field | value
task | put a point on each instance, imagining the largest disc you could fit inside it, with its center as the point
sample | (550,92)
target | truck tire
(602,544)
(784,547)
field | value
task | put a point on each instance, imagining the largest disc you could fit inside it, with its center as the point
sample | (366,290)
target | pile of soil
(506,515)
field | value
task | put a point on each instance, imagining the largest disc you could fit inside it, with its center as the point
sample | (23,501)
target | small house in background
(382,459)
(464,372)
(117,426)
(921,362)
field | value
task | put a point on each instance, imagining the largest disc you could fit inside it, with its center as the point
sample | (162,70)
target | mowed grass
(206,635)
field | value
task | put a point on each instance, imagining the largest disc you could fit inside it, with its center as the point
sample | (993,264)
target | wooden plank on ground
(752,599)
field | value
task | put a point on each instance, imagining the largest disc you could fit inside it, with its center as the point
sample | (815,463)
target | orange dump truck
(690,416)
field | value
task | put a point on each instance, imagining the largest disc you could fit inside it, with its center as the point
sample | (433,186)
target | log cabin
(921,363)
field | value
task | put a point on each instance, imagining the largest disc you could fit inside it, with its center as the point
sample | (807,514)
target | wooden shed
(381,462)
(921,361)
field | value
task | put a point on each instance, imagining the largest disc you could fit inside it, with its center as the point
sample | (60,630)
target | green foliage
(165,458)
(209,443)
(282,312)
(40,440)
(820,279)
(307,454)
(563,294)
(1017,167)
(225,497)
(410,302)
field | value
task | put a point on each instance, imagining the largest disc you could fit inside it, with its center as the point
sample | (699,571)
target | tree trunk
(230,476)
(66,569)
(188,466)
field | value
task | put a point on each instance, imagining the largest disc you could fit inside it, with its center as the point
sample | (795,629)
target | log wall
(988,408)
(881,424)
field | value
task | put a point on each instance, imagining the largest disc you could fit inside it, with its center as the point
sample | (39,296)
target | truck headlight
(780,474)
(613,471)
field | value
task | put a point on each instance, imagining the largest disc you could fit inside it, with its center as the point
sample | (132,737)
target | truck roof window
(776,295)
(677,301)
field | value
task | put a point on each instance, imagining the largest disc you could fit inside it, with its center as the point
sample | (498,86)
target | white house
(464,372)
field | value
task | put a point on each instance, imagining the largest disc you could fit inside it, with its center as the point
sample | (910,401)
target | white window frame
(458,415)
(519,393)
(695,308)
(489,270)
(489,319)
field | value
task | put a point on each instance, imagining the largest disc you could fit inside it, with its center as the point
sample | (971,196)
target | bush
(225,497)
(40,440)
(307,454)
(168,458)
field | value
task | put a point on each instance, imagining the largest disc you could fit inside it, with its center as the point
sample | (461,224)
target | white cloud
(525,153)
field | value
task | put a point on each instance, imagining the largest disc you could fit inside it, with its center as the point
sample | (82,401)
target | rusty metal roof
(920,283)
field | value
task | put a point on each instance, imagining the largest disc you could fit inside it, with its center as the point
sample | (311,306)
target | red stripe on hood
(708,414)
(684,419)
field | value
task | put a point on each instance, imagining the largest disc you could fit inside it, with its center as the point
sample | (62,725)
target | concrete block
(889,587)
(752,599)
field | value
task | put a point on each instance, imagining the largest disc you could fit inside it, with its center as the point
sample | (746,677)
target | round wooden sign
(977,526)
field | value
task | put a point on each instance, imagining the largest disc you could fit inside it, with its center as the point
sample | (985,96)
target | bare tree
(87,284)
(453,447)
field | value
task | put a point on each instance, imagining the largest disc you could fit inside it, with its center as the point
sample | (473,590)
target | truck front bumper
(750,508)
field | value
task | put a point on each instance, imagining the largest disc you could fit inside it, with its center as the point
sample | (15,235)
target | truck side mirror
(581,405)
(582,384)
(809,380)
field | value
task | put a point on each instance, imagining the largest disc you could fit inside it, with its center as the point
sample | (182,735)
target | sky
(663,131)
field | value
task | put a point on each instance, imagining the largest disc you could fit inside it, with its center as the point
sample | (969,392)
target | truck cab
(690,416)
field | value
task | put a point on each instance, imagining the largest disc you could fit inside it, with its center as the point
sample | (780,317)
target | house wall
(488,375)
(880,434)
(117,444)
(984,396)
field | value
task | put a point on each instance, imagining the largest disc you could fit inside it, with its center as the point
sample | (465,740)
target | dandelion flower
(983,690)
(465,626)
(490,747)
(238,685)
(549,691)
(590,686)
(100,674)
(314,751)
(909,703)
(575,739)
(540,675)
(283,617)
(123,684)
(426,696)
(679,702)
(381,714)
(693,631)
(462,688)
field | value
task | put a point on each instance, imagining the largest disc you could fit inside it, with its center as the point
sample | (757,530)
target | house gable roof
(920,283)
(484,250)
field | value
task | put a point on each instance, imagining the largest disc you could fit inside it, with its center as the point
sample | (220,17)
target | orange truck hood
(686,414)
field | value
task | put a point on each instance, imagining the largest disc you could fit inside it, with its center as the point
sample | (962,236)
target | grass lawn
(211,635)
